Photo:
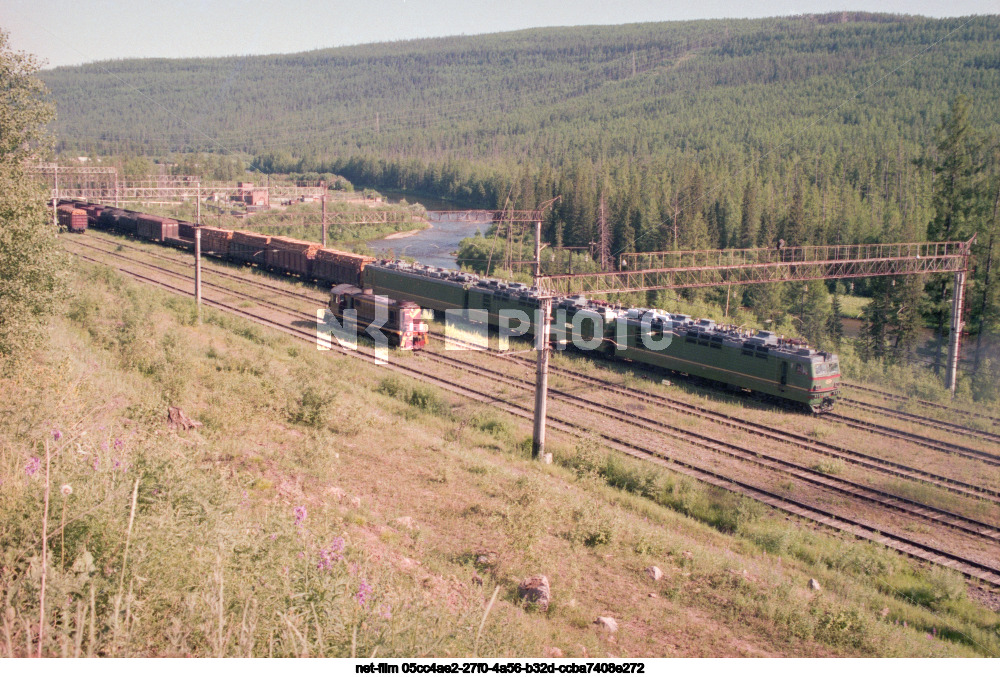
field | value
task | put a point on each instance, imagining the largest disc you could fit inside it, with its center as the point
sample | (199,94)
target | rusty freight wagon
(72,218)
(249,247)
(336,267)
(216,241)
(185,229)
(156,228)
(291,256)
(120,220)
(93,213)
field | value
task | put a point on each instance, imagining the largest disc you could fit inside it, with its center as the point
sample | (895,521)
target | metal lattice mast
(713,268)
(718,267)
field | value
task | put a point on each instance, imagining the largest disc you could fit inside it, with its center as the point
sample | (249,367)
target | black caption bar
(574,667)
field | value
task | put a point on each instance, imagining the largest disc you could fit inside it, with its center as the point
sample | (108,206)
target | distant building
(255,197)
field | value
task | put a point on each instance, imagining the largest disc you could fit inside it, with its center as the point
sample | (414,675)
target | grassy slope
(216,564)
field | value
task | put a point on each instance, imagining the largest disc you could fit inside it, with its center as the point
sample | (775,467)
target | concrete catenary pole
(542,346)
(323,184)
(197,269)
(955,336)
(55,194)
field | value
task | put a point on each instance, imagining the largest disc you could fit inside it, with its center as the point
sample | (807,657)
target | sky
(63,33)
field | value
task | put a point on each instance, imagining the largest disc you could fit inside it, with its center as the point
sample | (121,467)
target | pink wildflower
(56,434)
(385,611)
(300,515)
(34,464)
(363,591)
(329,556)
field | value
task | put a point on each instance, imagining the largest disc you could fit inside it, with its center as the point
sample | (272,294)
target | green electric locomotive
(763,364)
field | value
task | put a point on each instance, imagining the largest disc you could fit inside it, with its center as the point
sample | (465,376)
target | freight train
(761,363)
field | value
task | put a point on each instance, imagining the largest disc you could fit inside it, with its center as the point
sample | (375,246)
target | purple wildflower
(385,611)
(119,444)
(97,462)
(329,556)
(363,591)
(56,434)
(300,515)
(34,464)
(274,537)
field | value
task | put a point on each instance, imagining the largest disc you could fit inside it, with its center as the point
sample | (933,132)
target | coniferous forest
(838,128)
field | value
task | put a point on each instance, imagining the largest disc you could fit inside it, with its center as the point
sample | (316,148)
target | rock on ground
(535,589)
(607,623)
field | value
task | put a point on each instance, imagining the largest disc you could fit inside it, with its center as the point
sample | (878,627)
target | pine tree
(749,218)
(955,201)
(834,324)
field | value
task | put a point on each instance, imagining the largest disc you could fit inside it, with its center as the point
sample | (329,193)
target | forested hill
(674,123)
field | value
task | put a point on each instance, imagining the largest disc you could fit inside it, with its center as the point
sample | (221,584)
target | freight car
(72,218)
(403,324)
(287,255)
(155,228)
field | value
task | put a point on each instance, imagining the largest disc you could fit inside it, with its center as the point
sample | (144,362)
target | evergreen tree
(955,200)
(795,230)
(814,312)
(749,218)
(834,324)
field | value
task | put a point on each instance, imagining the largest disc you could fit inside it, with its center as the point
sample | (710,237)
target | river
(434,246)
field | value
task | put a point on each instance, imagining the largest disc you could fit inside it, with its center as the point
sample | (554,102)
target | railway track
(319,297)
(924,441)
(937,424)
(847,487)
(776,434)
(893,397)
(968,566)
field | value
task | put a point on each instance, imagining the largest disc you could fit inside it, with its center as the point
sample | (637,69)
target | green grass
(853,306)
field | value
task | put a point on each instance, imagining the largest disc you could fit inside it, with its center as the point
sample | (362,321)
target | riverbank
(409,233)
